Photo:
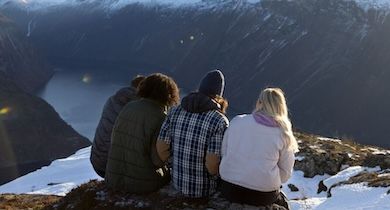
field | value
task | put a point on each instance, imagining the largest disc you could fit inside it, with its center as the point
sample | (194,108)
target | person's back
(133,165)
(254,151)
(102,140)
(193,132)
(130,167)
(258,153)
(192,135)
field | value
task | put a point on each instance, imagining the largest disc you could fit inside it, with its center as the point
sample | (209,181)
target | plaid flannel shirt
(191,136)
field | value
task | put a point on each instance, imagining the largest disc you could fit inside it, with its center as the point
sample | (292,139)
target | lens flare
(5,110)
(192,37)
(87,78)
(6,149)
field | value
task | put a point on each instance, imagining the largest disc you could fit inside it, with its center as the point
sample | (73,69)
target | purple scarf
(264,119)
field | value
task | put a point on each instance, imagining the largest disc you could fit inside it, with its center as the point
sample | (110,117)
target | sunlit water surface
(79,96)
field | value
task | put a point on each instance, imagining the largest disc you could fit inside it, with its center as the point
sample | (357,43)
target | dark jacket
(102,141)
(133,163)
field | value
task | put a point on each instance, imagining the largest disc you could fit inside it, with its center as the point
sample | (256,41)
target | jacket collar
(199,103)
(264,119)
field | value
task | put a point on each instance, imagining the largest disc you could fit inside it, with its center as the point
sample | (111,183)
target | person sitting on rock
(102,140)
(133,164)
(192,135)
(258,153)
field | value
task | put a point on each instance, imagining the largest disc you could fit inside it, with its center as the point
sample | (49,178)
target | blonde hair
(272,103)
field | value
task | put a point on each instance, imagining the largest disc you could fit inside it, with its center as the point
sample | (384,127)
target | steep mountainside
(31,133)
(331,56)
(18,60)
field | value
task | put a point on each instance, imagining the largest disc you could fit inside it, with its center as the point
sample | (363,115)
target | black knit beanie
(213,83)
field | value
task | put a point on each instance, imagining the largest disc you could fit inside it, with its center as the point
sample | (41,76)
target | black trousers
(100,173)
(238,194)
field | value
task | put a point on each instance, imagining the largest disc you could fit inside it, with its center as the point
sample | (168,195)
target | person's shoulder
(125,92)
(219,117)
(124,96)
(174,110)
(132,105)
(140,105)
(148,108)
(241,118)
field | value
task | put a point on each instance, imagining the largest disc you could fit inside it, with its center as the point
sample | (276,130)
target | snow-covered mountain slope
(19,60)
(119,4)
(110,5)
(374,4)
(350,188)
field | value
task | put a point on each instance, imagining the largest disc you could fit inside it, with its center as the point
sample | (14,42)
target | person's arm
(156,160)
(163,150)
(213,155)
(212,163)
(164,141)
(286,163)
(225,143)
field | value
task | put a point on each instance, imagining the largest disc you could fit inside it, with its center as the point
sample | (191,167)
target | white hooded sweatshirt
(255,155)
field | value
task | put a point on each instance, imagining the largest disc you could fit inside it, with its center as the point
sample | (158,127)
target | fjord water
(79,95)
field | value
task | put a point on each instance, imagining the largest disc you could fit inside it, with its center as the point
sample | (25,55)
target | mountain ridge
(19,61)
(110,5)
(329,56)
(31,132)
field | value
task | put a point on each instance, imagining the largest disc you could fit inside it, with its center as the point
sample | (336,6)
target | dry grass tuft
(33,202)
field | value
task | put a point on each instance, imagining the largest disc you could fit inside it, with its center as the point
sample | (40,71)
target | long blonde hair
(272,103)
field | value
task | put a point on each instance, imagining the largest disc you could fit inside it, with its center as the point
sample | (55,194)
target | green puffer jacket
(133,163)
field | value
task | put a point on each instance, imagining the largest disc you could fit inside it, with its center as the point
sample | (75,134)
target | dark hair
(222,102)
(137,80)
(160,88)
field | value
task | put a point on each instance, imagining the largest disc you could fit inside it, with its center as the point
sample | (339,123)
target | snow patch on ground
(329,139)
(348,197)
(307,186)
(357,196)
(307,204)
(347,173)
(379,151)
(376,151)
(58,178)
(65,174)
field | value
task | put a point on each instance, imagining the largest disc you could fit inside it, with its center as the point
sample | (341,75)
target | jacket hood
(125,95)
(264,120)
(199,103)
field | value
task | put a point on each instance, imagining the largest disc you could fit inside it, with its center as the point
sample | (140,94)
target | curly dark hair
(160,88)
(137,80)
